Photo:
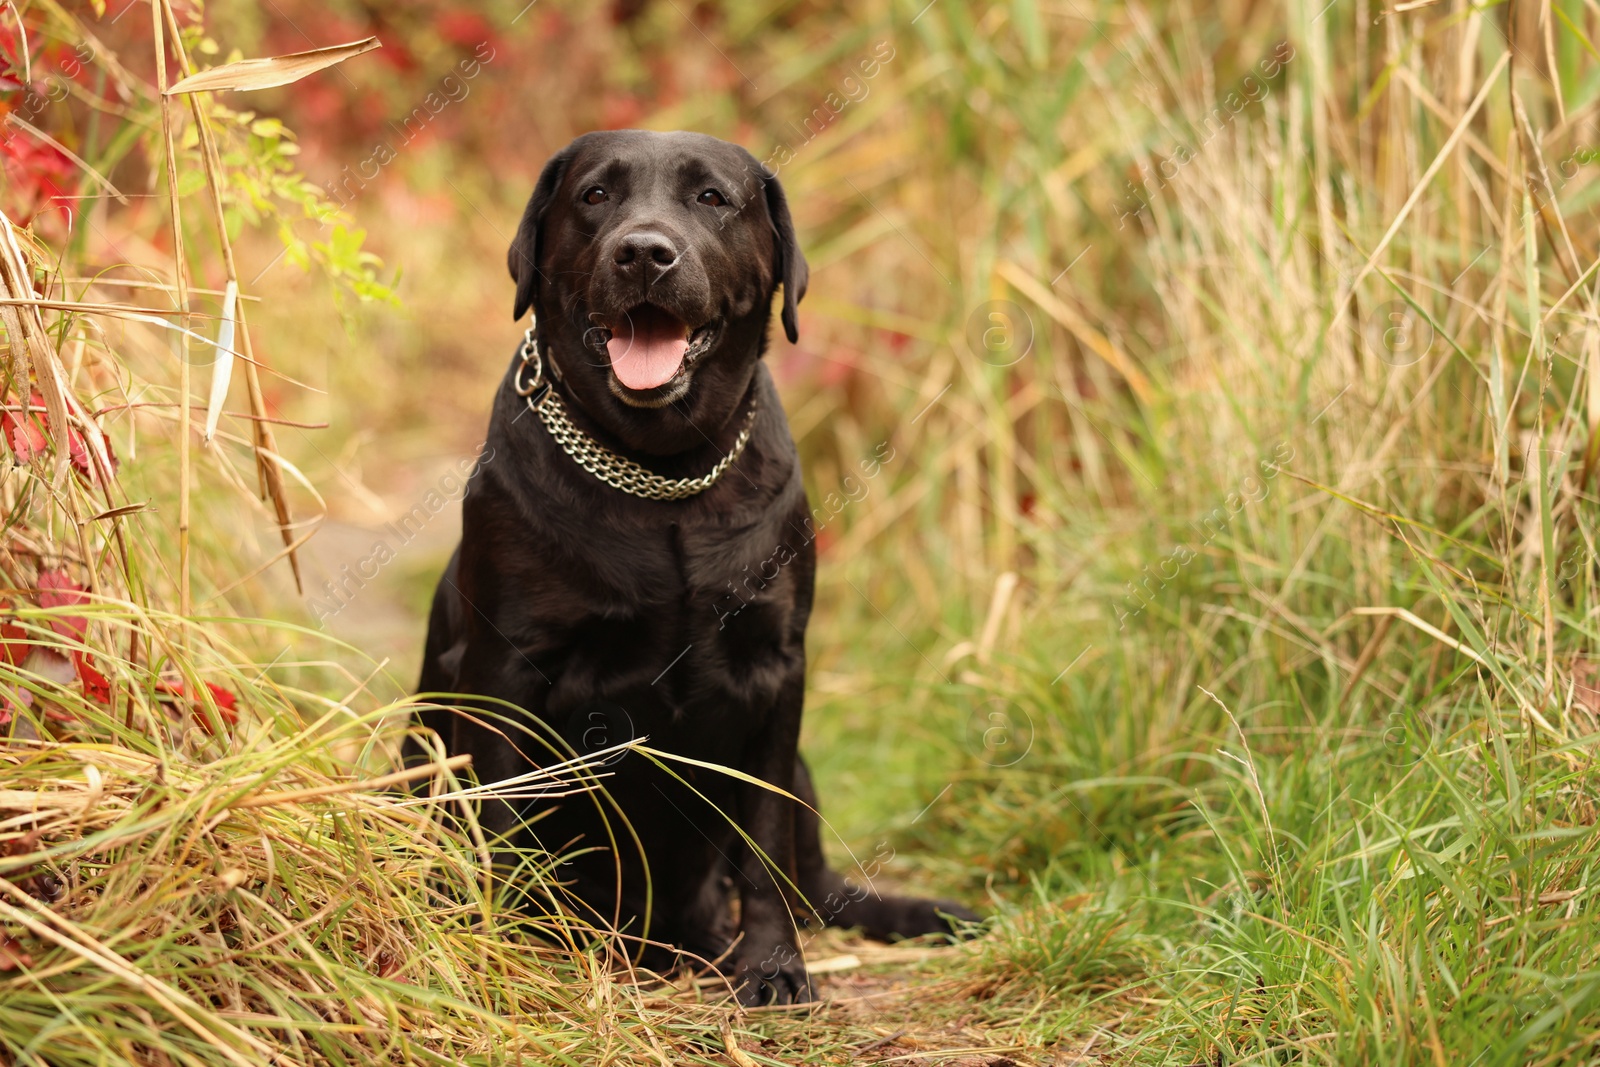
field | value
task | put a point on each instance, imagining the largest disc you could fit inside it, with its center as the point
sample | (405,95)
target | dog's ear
(791,265)
(523,258)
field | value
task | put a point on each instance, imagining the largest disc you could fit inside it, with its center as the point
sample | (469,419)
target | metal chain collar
(617,471)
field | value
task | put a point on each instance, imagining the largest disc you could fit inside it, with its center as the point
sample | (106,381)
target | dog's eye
(596,195)
(712,198)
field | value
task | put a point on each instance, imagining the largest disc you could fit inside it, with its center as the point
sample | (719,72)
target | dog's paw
(775,976)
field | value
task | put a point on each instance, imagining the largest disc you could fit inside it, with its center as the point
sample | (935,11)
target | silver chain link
(617,471)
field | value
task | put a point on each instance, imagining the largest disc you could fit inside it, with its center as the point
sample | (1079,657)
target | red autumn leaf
(399,57)
(83,459)
(226,702)
(12,703)
(79,450)
(24,431)
(96,686)
(36,173)
(58,590)
(8,45)
(11,954)
(463,28)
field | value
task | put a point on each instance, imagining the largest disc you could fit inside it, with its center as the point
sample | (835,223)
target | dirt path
(899,1004)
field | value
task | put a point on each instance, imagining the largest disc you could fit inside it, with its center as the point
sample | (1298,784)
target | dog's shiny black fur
(607,617)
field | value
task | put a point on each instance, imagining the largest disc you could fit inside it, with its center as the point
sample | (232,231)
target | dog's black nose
(644,247)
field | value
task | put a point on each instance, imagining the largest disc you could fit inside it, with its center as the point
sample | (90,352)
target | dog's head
(651,260)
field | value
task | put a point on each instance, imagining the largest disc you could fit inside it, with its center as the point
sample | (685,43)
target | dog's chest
(703,631)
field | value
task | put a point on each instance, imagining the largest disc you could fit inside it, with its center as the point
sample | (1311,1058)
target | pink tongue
(647,349)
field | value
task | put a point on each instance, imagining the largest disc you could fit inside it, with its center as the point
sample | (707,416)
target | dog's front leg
(767,966)
(495,735)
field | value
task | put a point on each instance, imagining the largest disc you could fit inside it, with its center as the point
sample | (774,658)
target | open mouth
(650,346)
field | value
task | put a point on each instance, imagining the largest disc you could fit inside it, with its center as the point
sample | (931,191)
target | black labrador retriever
(637,562)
